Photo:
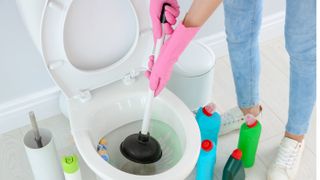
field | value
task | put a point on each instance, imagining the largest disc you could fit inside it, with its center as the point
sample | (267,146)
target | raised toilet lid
(87,44)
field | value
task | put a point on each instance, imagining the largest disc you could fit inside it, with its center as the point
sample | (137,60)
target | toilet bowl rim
(185,164)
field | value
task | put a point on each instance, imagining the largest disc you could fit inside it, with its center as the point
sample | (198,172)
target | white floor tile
(257,172)
(271,124)
(274,88)
(13,160)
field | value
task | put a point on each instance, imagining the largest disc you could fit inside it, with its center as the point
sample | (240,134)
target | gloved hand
(171,13)
(160,71)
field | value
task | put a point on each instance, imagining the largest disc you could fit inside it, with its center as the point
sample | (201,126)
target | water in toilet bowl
(167,137)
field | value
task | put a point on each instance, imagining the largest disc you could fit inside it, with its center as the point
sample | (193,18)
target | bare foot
(253,110)
(298,138)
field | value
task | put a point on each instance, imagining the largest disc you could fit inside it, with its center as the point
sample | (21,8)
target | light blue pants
(243,21)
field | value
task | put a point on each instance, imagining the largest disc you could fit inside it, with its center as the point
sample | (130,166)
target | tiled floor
(274,98)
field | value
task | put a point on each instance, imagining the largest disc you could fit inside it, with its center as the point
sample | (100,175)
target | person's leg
(242,22)
(300,34)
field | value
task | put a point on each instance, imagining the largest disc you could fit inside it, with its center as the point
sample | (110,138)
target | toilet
(96,51)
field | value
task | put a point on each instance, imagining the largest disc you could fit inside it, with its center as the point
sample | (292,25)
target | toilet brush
(41,152)
(143,148)
(35,128)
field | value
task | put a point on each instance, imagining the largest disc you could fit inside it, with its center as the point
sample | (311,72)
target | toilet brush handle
(35,129)
(156,52)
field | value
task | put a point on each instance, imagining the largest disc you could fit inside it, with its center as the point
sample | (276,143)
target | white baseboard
(272,27)
(14,114)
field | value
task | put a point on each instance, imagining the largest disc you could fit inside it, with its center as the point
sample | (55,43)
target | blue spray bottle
(209,123)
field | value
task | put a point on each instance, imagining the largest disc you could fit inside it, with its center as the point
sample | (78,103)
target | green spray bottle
(249,139)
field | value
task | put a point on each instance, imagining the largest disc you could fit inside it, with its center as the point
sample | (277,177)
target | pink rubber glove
(159,72)
(171,14)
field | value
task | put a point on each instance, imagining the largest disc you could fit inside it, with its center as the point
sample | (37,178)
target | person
(242,23)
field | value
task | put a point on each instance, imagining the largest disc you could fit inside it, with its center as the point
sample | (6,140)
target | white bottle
(71,167)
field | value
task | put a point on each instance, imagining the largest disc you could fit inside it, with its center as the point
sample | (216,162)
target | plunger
(142,147)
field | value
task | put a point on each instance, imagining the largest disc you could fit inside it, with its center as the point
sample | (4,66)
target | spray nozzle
(250,120)
(209,109)
(237,154)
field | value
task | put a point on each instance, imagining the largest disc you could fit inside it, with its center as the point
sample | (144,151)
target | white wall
(22,71)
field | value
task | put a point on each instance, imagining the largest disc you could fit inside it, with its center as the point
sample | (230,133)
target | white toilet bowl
(119,104)
(95,51)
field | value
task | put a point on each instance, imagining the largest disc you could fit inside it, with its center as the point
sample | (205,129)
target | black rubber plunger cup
(143,148)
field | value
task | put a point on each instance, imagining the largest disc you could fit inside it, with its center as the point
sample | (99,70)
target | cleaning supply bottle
(209,122)
(233,170)
(71,168)
(249,139)
(206,161)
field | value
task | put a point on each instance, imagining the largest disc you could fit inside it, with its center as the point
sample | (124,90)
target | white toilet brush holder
(44,161)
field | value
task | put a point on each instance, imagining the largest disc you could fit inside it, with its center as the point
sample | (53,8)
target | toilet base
(192,176)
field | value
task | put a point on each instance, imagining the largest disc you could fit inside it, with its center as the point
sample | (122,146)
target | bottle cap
(237,154)
(251,120)
(209,109)
(206,145)
(70,164)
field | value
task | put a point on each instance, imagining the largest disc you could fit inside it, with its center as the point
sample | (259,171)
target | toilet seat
(74,81)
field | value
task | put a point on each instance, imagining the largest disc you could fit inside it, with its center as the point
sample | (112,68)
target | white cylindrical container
(44,161)
(73,176)
(192,77)
(71,168)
